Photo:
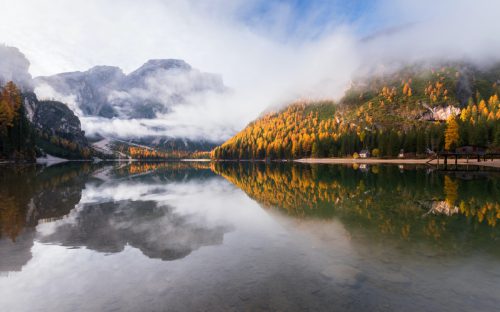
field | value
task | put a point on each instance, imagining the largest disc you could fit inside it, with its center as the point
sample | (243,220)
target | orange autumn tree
(451,135)
(10,103)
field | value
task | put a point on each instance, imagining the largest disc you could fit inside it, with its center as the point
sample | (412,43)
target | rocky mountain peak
(153,88)
(103,72)
(156,64)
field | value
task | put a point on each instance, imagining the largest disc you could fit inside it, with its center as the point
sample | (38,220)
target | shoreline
(346,161)
(395,161)
(45,161)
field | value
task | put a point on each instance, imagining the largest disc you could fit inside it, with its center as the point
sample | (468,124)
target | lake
(200,236)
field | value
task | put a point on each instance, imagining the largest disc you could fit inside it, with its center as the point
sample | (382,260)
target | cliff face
(57,128)
(30,103)
(57,119)
(440,113)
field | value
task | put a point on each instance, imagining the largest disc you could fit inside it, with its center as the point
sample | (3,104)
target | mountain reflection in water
(104,220)
(157,231)
(246,236)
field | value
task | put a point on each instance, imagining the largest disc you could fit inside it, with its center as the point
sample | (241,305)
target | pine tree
(315,150)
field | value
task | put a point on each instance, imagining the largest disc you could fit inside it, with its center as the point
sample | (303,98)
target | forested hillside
(417,109)
(17,139)
(30,128)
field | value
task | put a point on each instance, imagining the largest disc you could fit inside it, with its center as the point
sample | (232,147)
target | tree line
(147,153)
(320,130)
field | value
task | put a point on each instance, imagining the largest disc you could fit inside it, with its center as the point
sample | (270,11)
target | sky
(268,53)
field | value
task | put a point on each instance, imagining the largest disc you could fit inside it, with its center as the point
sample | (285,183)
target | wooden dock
(479,156)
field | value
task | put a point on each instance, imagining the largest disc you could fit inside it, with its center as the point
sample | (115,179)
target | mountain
(151,90)
(58,119)
(29,127)
(103,94)
(419,108)
(59,131)
(40,127)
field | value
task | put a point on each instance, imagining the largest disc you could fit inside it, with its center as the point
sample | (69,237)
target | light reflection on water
(181,236)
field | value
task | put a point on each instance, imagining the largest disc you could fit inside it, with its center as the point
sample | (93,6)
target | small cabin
(364,153)
(402,154)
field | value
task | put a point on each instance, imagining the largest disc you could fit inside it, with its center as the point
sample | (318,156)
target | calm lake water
(239,236)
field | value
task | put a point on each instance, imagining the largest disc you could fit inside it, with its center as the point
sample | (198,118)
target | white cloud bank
(14,67)
(262,63)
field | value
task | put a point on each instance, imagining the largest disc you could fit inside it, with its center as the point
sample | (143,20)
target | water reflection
(103,208)
(411,204)
(30,195)
(157,231)
(241,236)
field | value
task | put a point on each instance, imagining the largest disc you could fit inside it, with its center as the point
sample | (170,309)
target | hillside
(419,108)
(30,128)
(152,150)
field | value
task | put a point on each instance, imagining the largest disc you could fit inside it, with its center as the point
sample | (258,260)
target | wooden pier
(480,156)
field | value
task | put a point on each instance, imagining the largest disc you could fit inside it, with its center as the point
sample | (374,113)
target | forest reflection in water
(414,203)
(357,237)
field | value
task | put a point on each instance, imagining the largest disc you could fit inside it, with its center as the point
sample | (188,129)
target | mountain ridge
(146,92)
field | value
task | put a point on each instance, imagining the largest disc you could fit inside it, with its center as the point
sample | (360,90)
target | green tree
(315,150)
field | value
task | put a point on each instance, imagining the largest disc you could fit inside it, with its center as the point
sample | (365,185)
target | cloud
(450,30)
(14,67)
(46,92)
(158,99)
(267,57)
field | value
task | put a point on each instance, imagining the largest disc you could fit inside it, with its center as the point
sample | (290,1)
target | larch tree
(451,135)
